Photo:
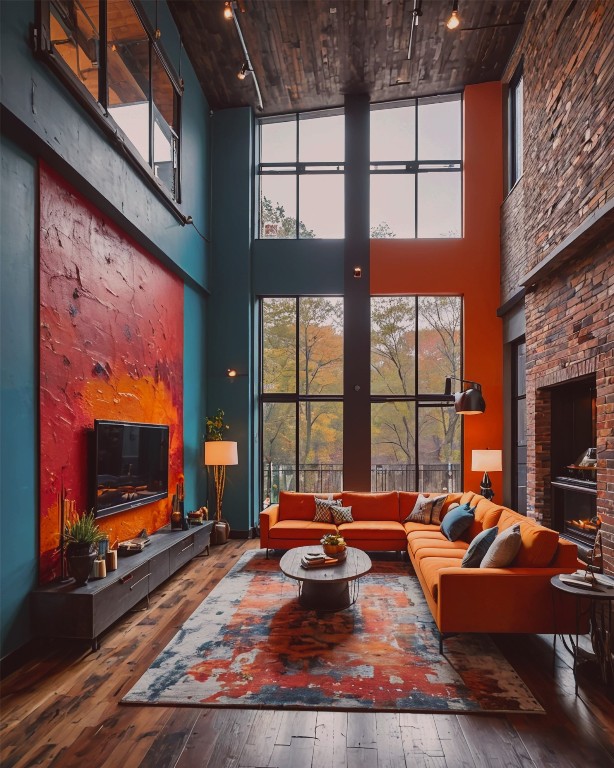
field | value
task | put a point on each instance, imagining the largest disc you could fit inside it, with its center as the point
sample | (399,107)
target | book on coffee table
(318,563)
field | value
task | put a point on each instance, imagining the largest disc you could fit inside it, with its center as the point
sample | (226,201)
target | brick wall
(567,52)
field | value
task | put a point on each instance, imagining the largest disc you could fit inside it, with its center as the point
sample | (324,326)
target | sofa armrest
(268,518)
(503,600)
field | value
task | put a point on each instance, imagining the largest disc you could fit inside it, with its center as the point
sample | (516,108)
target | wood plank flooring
(61,709)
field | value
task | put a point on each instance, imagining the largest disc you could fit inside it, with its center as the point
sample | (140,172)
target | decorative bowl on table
(334,545)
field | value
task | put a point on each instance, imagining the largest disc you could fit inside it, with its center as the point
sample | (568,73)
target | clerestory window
(108,53)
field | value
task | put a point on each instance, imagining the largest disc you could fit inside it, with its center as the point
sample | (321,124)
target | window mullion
(103,94)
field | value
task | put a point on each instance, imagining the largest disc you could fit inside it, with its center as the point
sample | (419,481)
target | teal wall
(41,119)
(19,391)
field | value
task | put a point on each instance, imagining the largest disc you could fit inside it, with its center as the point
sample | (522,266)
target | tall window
(416,168)
(519,426)
(300,173)
(515,126)
(301,401)
(109,53)
(415,436)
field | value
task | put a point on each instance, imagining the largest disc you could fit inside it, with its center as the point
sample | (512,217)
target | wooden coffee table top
(356,564)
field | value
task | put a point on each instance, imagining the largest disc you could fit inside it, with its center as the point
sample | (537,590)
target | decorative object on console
(486,461)
(470,401)
(81,536)
(219,454)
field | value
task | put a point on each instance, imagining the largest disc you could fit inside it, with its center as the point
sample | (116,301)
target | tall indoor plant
(81,537)
(219,454)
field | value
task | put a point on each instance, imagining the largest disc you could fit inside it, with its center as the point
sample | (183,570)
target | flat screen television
(129,465)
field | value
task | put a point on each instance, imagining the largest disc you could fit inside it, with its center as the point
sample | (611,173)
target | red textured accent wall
(468,266)
(111,346)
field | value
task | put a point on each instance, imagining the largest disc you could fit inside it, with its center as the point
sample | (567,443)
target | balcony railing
(328,478)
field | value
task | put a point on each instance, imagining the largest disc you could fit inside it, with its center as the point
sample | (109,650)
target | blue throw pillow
(456,522)
(479,547)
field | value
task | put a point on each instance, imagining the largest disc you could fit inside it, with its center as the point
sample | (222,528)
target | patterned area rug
(250,644)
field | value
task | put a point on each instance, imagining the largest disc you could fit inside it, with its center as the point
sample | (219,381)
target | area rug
(250,644)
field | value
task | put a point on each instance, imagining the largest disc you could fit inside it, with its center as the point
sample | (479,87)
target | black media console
(64,610)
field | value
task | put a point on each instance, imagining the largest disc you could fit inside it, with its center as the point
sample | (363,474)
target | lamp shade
(221,453)
(469,402)
(486,461)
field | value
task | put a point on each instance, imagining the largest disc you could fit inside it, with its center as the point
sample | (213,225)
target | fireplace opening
(574,462)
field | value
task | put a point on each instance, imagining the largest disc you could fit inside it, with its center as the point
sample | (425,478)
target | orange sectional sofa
(518,598)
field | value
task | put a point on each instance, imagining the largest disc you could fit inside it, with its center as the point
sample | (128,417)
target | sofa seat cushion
(300,506)
(538,544)
(293,529)
(440,551)
(372,506)
(419,527)
(431,567)
(375,530)
(417,543)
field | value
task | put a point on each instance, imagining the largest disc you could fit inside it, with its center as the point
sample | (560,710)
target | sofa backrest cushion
(487,515)
(539,544)
(300,506)
(372,506)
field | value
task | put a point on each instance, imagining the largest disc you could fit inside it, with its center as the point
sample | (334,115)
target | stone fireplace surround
(569,308)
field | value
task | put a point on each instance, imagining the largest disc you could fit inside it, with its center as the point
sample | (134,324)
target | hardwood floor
(61,709)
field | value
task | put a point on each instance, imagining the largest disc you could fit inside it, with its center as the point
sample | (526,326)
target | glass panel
(518,126)
(320,346)
(439,204)
(321,139)
(279,345)
(439,449)
(278,207)
(278,450)
(521,427)
(521,369)
(393,353)
(393,133)
(165,126)
(74,35)
(439,341)
(278,142)
(393,446)
(128,74)
(321,206)
(321,446)
(392,205)
(439,128)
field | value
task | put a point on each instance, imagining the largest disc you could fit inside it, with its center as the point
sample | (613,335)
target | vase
(220,532)
(80,565)
(335,550)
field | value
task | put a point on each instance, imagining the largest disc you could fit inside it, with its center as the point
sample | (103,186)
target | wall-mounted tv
(129,465)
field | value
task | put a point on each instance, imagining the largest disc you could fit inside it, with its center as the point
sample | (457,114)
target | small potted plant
(81,537)
(333,544)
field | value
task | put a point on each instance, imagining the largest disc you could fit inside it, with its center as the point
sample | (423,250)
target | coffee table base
(327,597)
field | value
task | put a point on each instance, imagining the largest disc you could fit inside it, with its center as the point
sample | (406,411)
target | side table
(597,600)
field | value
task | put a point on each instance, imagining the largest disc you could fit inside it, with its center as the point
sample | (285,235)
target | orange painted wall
(468,267)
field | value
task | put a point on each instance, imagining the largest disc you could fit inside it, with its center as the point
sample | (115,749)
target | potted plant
(81,537)
(333,544)
(219,454)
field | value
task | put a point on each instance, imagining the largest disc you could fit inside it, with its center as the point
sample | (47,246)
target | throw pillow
(342,514)
(503,549)
(479,547)
(323,513)
(426,510)
(456,522)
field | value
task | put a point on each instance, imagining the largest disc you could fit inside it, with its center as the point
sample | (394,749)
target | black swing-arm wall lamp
(469,401)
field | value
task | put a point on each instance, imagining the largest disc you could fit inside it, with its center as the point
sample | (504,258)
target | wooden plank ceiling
(308,53)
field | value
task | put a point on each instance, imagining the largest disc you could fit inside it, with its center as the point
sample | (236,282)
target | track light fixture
(228,10)
(453,21)
(243,71)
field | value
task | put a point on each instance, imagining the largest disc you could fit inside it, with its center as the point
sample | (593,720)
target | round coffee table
(327,588)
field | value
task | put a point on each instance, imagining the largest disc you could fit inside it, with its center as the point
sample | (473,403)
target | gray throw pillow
(504,548)
(323,513)
(427,509)
(479,547)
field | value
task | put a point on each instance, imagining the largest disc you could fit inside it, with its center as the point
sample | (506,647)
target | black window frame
(519,449)
(515,143)
(417,167)
(426,400)
(97,108)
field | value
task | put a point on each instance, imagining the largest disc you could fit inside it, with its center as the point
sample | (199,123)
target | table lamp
(486,461)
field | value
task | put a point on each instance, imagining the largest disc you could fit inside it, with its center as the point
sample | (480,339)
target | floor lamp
(220,454)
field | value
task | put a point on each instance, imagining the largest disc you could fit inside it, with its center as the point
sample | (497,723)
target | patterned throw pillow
(504,548)
(479,547)
(426,510)
(323,512)
(342,515)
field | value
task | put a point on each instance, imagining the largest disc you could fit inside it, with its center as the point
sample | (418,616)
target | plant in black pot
(81,537)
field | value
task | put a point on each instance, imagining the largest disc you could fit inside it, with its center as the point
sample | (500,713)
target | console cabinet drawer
(120,597)
(181,553)
(159,570)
